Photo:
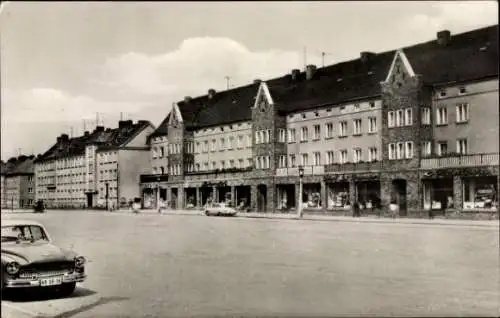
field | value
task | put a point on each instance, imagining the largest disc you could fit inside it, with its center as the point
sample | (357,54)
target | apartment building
(101,167)
(378,129)
(18,185)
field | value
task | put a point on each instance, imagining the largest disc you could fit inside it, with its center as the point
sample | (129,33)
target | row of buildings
(17,182)
(416,127)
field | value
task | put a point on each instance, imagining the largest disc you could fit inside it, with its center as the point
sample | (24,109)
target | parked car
(39,207)
(219,209)
(31,260)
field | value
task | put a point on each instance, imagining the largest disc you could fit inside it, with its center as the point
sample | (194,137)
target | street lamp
(301,175)
(107,195)
(158,193)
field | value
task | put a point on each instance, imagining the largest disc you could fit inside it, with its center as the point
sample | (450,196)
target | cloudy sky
(61,63)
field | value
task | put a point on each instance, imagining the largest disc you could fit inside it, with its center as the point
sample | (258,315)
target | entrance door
(261,198)
(173,200)
(89,200)
(399,190)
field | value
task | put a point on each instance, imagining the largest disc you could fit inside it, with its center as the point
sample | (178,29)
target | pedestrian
(355,209)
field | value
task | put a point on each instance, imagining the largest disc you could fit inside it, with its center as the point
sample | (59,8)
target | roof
(14,222)
(18,166)
(101,137)
(162,130)
(469,56)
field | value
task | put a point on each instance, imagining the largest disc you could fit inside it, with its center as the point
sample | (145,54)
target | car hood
(25,253)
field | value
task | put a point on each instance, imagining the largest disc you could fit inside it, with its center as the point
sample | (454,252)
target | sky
(64,65)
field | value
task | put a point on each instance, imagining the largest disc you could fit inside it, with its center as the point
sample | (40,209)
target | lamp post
(107,196)
(158,194)
(301,175)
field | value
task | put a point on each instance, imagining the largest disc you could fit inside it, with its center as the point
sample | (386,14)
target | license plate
(51,281)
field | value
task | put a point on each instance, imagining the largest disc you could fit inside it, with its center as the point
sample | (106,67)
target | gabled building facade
(100,168)
(18,184)
(415,127)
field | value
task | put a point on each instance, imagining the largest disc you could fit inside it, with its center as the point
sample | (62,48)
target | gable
(400,68)
(175,116)
(263,99)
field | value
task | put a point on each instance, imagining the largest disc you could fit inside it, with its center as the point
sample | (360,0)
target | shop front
(311,196)
(337,195)
(285,197)
(438,193)
(480,193)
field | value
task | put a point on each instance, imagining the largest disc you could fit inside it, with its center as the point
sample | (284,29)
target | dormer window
(316,113)
(372,104)
(303,115)
(442,93)
(462,90)
(356,106)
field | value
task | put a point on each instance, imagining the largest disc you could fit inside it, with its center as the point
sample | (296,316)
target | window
(372,154)
(357,155)
(240,163)
(222,164)
(162,152)
(329,130)
(268,135)
(343,156)
(372,124)
(231,163)
(462,146)
(357,127)
(162,170)
(426,116)
(205,146)
(249,141)
(426,148)
(30,190)
(198,148)
(399,118)
(154,170)
(230,143)
(330,158)
(292,135)
(305,159)
(462,113)
(257,137)
(442,93)
(240,142)
(400,150)
(281,135)
(250,162)
(441,116)
(222,144)
(214,165)
(282,162)
(304,132)
(293,161)
(317,159)
(213,145)
(317,132)
(205,165)
(155,151)
(408,117)
(462,90)
(442,148)
(390,119)
(343,128)
(409,149)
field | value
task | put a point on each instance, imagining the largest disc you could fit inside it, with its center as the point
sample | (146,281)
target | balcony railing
(488,159)
(231,173)
(153,178)
(353,167)
(308,171)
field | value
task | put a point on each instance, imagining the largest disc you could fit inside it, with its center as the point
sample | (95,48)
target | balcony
(476,160)
(308,171)
(219,175)
(145,178)
(354,167)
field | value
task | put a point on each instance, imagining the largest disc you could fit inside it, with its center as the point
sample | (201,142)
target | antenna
(305,57)
(84,125)
(323,54)
(121,115)
(227,81)
(96,119)
(71,132)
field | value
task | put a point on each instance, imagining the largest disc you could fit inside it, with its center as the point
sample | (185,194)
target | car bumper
(30,282)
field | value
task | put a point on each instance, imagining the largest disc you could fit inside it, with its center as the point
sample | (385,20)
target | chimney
(187,99)
(443,37)
(366,56)
(86,133)
(257,81)
(211,93)
(295,74)
(108,129)
(310,70)
(99,128)
(31,156)
(58,139)
(121,124)
(64,137)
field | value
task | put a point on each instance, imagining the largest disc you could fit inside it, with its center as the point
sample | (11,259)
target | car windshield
(23,233)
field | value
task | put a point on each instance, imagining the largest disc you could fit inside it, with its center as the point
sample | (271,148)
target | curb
(12,311)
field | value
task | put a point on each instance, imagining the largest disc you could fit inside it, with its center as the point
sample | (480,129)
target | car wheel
(67,289)
(206,213)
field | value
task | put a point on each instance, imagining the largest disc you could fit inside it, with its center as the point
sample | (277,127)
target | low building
(101,167)
(18,185)
(415,127)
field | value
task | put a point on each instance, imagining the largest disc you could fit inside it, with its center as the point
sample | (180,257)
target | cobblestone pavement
(178,265)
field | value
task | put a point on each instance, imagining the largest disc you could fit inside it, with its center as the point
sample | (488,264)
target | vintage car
(219,209)
(30,260)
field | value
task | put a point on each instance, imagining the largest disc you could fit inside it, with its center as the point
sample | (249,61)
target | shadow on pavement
(102,301)
(22,295)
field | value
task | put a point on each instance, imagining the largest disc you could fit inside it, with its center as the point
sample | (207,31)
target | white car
(219,209)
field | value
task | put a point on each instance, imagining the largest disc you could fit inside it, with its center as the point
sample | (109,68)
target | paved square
(178,265)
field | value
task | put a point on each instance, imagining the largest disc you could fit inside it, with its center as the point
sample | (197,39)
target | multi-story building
(18,185)
(102,166)
(416,127)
